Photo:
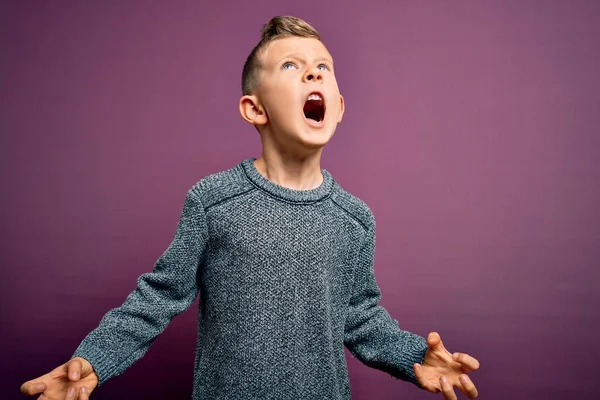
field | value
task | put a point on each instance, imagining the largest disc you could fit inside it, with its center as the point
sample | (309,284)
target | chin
(316,139)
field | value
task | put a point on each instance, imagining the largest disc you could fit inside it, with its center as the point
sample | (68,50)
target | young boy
(281,256)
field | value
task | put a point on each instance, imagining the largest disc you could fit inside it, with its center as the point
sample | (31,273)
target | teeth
(314,96)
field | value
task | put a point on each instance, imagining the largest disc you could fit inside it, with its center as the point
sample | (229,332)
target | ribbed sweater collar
(286,194)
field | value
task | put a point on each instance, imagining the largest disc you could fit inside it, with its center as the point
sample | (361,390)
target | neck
(292,172)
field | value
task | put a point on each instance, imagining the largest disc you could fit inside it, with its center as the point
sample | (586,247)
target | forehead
(292,46)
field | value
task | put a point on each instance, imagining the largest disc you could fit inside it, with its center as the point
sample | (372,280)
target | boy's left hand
(442,370)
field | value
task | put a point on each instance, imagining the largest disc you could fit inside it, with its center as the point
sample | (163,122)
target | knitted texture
(285,279)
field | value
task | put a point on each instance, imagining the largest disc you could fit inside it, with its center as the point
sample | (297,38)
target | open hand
(74,380)
(441,370)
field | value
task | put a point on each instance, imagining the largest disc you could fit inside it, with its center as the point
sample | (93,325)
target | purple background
(471,130)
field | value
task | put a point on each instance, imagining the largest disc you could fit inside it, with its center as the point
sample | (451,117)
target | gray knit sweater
(285,279)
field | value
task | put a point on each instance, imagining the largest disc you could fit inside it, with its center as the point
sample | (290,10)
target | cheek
(335,106)
(280,96)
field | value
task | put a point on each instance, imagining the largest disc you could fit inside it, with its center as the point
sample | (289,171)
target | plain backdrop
(471,131)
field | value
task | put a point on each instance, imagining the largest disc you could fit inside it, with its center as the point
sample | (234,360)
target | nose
(313,75)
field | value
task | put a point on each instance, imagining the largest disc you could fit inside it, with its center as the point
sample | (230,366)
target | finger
(425,384)
(469,363)
(447,389)
(84,393)
(467,387)
(434,341)
(71,393)
(33,387)
(74,370)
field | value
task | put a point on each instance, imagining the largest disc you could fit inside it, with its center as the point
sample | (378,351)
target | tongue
(313,109)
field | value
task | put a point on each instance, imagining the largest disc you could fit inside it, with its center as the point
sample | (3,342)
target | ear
(342,108)
(252,111)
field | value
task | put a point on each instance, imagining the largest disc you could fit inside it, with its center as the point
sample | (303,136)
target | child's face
(294,70)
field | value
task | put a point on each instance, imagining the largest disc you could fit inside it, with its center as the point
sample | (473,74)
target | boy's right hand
(74,380)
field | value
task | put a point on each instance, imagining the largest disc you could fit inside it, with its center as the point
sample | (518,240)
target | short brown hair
(276,28)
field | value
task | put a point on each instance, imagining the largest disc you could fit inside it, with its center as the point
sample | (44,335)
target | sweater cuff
(413,353)
(102,365)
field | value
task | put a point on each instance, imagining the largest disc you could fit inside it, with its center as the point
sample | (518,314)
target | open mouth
(314,107)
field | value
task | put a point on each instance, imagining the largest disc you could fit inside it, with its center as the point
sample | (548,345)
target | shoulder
(353,206)
(220,186)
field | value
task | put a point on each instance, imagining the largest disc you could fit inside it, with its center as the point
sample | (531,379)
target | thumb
(32,387)
(77,368)
(434,341)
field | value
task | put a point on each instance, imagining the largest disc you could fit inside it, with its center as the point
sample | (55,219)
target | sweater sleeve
(371,334)
(125,333)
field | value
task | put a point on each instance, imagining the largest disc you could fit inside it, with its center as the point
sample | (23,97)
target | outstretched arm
(375,339)
(125,333)
(370,333)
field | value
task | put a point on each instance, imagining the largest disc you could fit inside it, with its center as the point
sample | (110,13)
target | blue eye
(323,67)
(288,65)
